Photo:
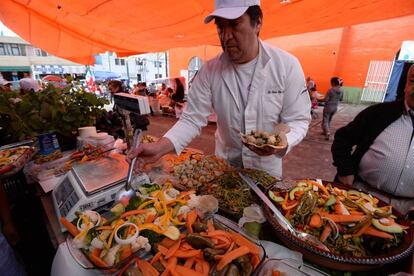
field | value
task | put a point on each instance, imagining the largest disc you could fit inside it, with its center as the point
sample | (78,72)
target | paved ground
(311,158)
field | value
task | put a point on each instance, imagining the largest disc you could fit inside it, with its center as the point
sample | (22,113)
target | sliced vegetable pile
(206,249)
(11,158)
(132,225)
(348,222)
(231,191)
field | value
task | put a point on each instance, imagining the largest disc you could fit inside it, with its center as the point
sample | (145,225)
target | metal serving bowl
(340,262)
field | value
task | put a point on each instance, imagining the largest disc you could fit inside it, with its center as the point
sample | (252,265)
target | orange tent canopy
(78,29)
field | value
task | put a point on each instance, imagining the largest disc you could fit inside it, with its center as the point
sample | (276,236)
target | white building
(139,68)
(17,57)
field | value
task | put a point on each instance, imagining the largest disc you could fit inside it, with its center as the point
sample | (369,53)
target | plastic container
(48,143)
(287,267)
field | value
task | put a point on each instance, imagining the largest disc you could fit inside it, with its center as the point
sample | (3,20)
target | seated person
(383,160)
(165,97)
(178,95)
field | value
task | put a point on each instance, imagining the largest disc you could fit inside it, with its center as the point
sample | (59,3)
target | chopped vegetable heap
(232,193)
(349,222)
(261,138)
(132,225)
(207,248)
(197,170)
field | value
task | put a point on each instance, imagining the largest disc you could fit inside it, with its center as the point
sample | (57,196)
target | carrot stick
(275,273)
(173,249)
(222,245)
(150,218)
(242,241)
(232,255)
(325,233)
(147,268)
(377,233)
(316,221)
(121,272)
(289,207)
(98,261)
(363,228)
(163,262)
(344,218)
(255,260)
(189,262)
(133,212)
(187,254)
(191,218)
(167,242)
(216,233)
(198,266)
(210,226)
(126,252)
(69,226)
(163,250)
(206,267)
(320,186)
(172,262)
(186,271)
(185,246)
(230,247)
(156,257)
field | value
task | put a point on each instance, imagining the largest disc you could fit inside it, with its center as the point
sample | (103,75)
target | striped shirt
(388,165)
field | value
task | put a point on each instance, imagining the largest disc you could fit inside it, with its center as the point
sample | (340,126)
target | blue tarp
(105,75)
(397,69)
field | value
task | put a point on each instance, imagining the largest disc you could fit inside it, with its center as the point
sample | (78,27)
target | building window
(139,62)
(158,64)
(158,76)
(119,61)
(15,50)
(3,51)
(40,53)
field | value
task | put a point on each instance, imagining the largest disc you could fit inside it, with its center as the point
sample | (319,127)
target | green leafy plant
(51,109)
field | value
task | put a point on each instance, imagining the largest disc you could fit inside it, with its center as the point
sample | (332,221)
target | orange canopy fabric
(78,29)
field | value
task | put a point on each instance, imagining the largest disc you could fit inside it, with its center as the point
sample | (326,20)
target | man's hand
(11,234)
(346,179)
(151,152)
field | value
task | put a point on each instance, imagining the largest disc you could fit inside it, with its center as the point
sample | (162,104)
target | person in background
(251,86)
(178,95)
(332,98)
(135,89)
(8,236)
(5,85)
(28,84)
(383,159)
(163,89)
(143,91)
(115,86)
(310,84)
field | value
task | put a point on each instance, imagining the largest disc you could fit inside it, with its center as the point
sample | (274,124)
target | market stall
(195,214)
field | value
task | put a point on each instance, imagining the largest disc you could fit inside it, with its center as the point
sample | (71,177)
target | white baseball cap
(230,9)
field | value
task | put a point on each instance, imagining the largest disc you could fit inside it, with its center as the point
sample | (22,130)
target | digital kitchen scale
(90,186)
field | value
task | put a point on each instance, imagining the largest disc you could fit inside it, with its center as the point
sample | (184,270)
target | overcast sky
(5,30)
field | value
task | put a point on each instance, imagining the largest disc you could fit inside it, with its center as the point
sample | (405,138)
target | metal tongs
(127,191)
(284,223)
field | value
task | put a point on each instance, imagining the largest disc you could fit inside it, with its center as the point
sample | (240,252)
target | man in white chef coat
(250,86)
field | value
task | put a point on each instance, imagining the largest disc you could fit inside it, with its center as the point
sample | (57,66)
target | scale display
(66,197)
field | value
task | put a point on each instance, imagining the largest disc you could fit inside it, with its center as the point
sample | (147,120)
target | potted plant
(60,110)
